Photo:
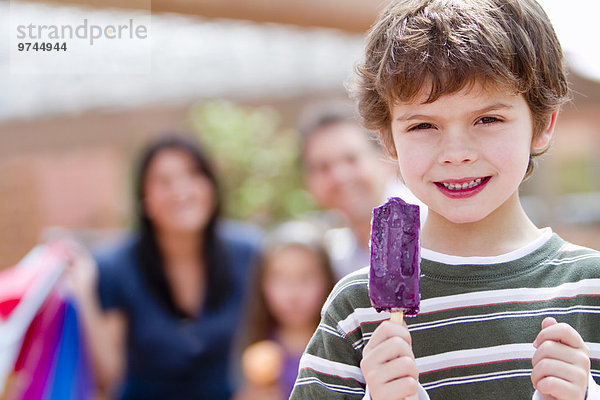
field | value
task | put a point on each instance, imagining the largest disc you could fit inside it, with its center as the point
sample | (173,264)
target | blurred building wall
(75,171)
(70,171)
(564,191)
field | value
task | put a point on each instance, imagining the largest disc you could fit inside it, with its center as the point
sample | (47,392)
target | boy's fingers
(560,332)
(398,389)
(561,362)
(561,352)
(392,370)
(547,367)
(388,357)
(553,388)
(389,350)
(385,331)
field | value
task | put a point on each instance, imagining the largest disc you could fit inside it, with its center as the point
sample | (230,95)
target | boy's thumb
(548,321)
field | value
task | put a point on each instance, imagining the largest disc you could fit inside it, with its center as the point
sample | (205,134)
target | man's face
(344,171)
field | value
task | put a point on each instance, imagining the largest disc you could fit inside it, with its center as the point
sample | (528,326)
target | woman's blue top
(169,357)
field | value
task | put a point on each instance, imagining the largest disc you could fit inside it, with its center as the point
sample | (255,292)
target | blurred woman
(291,284)
(169,296)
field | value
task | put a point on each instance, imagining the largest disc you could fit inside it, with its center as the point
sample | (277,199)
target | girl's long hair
(260,323)
(218,278)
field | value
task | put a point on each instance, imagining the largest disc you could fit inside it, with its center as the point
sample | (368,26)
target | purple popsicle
(395,258)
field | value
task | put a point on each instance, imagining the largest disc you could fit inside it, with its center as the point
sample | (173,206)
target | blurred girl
(291,284)
(170,296)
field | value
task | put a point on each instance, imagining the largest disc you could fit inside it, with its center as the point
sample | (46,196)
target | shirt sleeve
(330,365)
(593,392)
(328,369)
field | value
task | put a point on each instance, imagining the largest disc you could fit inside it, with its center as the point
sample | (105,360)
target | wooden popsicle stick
(397,317)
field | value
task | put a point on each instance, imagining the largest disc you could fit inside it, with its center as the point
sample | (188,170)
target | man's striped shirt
(479,317)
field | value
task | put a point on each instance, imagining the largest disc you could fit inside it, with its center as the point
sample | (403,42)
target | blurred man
(345,170)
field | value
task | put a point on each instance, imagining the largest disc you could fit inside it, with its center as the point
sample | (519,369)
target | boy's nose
(457,148)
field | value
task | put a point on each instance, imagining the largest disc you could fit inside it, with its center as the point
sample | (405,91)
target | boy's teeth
(466,185)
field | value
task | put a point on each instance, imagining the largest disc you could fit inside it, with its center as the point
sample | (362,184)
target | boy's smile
(462,188)
(466,153)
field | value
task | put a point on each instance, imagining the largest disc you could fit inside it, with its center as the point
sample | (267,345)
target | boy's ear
(543,139)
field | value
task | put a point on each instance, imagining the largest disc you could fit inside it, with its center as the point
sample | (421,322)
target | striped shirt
(479,316)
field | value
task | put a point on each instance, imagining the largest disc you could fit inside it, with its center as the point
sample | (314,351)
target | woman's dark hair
(218,279)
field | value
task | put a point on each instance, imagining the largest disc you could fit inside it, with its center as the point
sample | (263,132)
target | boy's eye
(487,120)
(422,125)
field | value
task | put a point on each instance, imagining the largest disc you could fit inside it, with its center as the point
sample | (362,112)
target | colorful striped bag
(42,353)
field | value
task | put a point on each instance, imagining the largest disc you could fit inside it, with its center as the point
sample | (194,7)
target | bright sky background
(578,28)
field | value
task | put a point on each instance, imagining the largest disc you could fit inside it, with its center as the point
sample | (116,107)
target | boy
(465,94)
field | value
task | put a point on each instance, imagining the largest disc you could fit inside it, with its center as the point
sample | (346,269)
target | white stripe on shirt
(487,355)
(361,316)
(584,287)
(451,359)
(330,386)
(485,298)
(505,315)
(332,368)
(478,378)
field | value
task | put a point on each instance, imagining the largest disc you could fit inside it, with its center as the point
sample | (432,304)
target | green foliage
(256,161)
(576,174)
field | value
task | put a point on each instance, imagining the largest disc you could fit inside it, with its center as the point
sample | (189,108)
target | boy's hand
(388,363)
(561,363)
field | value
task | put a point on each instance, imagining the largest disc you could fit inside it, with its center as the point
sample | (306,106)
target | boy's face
(465,154)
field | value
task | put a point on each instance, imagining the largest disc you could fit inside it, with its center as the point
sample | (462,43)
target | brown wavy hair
(448,45)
